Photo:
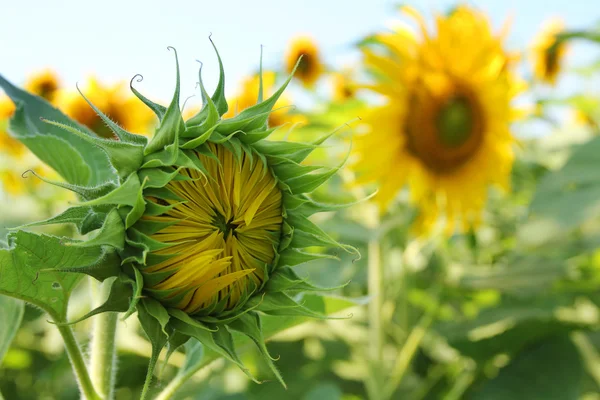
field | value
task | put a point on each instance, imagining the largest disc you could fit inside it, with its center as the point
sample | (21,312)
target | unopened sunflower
(122,108)
(444,127)
(201,224)
(548,52)
(311,66)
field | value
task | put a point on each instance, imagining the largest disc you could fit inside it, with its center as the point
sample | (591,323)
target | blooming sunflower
(124,109)
(201,224)
(310,67)
(548,52)
(444,128)
(248,94)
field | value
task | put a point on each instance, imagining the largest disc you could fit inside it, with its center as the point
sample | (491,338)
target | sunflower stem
(103,355)
(376,329)
(78,363)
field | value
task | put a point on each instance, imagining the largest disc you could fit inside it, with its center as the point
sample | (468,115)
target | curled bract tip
(139,79)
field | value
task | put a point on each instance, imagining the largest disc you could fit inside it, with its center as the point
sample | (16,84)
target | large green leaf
(566,198)
(548,370)
(26,270)
(75,159)
(11,314)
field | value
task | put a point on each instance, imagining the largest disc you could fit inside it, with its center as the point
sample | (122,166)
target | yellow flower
(223,234)
(311,66)
(444,129)
(123,108)
(44,84)
(248,96)
(8,144)
(548,54)
(343,86)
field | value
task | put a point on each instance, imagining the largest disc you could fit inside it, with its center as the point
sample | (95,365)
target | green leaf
(73,158)
(26,273)
(553,210)
(11,314)
(548,370)
(157,337)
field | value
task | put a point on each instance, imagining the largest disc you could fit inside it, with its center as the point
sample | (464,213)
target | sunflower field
(410,211)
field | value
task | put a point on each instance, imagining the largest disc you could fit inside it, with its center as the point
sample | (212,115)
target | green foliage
(11,314)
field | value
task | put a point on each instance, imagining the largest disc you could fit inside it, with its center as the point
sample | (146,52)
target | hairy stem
(78,363)
(376,329)
(103,355)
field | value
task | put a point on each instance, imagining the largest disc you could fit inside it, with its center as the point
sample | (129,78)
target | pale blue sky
(117,39)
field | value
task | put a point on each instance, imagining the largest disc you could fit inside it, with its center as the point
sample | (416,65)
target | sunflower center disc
(455,122)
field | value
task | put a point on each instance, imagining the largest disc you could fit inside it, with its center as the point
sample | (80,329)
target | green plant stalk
(376,332)
(180,379)
(1,397)
(407,353)
(78,363)
(102,347)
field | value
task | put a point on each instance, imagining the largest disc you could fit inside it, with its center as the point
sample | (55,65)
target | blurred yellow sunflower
(247,96)
(344,87)
(311,67)
(123,108)
(444,128)
(8,144)
(44,84)
(548,53)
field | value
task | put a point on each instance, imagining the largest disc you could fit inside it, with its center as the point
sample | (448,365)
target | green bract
(123,183)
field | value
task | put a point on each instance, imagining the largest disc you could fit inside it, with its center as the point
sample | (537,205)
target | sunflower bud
(201,224)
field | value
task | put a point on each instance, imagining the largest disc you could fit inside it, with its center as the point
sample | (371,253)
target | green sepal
(291,202)
(151,244)
(159,312)
(124,157)
(211,115)
(289,170)
(163,193)
(278,303)
(158,339)
(153,209)
(154,278)
(137,283)
(121,133)
(172,125)
(308,183)
(175,341)
(218,97)
(207,339)
(292,257)
(201,139)
(111,234)
(156,177)
(94,220)
(149,227)
(285,279)
(73,215)
(308,234)
(158,109)
(257,135)
(310,207)
(35,134)
(183,317)
(293,151)
(126,194)
(118,300)
(261,111)
(163,158)
(138,208)
(251,326)
(83,191)
(188,159)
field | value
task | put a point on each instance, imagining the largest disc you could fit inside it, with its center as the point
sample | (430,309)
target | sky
(116,39)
